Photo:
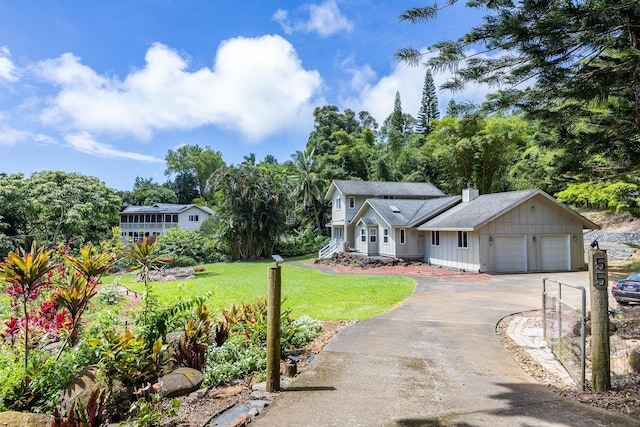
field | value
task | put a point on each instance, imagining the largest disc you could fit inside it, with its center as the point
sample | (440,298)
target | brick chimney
(469,193)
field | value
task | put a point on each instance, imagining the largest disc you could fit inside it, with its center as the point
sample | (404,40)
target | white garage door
(555,252)
(511,253)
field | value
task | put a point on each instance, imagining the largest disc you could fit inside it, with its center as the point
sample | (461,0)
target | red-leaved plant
(25,274)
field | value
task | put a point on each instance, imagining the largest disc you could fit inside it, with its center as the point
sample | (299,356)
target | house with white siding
(347,197)
(515,231)
(138,222)
(388,227)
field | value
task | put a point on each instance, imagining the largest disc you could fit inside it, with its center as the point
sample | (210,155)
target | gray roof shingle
(385,188)
(160,208)
(476,213)
(411,212)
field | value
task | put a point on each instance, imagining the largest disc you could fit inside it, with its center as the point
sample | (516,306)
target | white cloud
(10,136)
(324,19)
(257,87)
(361,76)
(378,98)
(86,143)
(8,71)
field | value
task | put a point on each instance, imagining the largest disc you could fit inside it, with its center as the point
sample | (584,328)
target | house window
(175,218)
(373,235)
(337,233)
(352,202)
(403,235)
(338,203)
(435,238)
(123,218)
(363,235)
(193,218)
(463,241)
(385,235)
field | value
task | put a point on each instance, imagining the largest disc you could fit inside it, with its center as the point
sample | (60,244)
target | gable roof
(484,209)
(384,188)
(162,208)
(406,212)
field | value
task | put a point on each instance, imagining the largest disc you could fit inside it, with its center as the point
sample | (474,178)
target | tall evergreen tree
(580,60)
(428,106)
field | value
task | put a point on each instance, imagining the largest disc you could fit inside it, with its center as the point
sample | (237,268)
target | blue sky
(106,88)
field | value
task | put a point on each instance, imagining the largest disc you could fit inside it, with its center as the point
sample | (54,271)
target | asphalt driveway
(433,361)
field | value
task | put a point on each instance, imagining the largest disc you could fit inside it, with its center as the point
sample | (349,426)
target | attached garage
(555,252)
(510,253)
(512,232)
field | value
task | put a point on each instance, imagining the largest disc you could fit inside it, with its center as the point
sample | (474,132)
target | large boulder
(180,382)
(79,388)
(24,419)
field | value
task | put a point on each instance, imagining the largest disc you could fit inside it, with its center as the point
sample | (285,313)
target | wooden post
(600,355)
(273,330)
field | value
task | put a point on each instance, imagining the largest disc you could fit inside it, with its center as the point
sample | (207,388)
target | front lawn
(306,291)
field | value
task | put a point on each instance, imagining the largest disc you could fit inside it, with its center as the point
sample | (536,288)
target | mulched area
(423,270)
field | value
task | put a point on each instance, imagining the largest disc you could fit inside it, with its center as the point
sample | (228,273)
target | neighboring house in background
(137,222)
(347,197)
(389,227)
(516,231)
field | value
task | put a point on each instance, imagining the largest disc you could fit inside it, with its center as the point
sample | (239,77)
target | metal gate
(563,316)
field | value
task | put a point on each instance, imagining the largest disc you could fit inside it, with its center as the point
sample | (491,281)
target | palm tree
(308,183)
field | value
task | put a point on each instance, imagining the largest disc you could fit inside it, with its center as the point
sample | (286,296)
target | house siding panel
(536,217)
(449,255)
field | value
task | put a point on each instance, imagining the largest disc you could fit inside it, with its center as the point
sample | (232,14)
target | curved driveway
(435,360)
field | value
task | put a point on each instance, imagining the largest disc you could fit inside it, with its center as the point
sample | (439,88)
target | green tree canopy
(146,192)
(192,162)
(54,207)
(574,64)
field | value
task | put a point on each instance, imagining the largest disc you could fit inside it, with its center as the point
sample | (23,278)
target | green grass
(305,291)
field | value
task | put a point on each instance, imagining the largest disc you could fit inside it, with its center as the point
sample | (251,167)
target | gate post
(600,353)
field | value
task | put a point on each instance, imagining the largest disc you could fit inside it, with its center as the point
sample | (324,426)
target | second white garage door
(511,253)
(554,251)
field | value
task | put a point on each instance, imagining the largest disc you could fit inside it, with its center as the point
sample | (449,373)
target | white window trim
(338,204)
(403,236)
(463,237)
(373,235)
(435,238)
(363,235)
(385,235)
(352,202)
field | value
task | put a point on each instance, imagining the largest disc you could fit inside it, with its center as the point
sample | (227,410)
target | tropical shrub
(300,243)
(161,320)
(47,377)
(195,339)
(298,333)
(621,196)
(187,248)
(236,358)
